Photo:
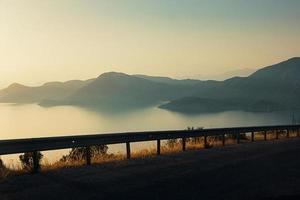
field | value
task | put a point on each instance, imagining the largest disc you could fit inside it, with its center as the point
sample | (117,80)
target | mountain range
(243,72)
(276,87)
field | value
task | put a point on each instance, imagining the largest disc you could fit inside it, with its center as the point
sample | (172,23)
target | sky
(57,40)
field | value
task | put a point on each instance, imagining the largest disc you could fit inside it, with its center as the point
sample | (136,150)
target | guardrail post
(183,144)
(298,133)
(252,136)
(36,162)
(128,150)
(265,135)
(287,133)
(237,137)
(205,141)
(88,155)
(158,147)
(277,135)
(223,139)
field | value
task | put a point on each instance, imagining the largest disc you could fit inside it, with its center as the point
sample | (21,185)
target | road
(262,170)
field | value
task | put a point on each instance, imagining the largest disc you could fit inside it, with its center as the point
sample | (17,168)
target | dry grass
(76,163)
(5,172)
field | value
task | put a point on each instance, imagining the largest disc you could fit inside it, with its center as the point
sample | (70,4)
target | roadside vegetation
(3,170)
(99,154)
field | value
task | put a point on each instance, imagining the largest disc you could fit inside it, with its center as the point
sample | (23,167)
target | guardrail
(55,143)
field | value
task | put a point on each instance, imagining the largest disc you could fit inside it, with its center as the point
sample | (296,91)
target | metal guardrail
(55,143)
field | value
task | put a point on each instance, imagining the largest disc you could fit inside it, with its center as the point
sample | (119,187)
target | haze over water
(31,120)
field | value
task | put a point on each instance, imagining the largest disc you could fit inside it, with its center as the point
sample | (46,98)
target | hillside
(198,105)
(170,81)
(272,88)
(121,89)
(17,93)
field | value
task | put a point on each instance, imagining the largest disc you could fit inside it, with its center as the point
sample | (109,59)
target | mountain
(244,72)
(271,88)
(198,105)
(203,105)
(17,93)
(111,89)
(167,80)
(275,87)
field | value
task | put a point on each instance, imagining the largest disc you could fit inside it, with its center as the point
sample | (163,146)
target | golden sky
(47,40)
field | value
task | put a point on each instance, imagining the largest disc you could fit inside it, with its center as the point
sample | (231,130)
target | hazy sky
(45,40)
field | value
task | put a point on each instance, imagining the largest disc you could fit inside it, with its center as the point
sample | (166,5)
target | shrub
(78,153)
(1,164)
(3,170)
(171,143)
(27,160)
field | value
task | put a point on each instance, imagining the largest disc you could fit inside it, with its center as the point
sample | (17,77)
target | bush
(27,160)
(171,143)
(3,170)
(1,164)
(78,153)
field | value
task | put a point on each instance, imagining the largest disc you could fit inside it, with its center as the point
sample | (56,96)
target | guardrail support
(277,135)
(298,133)
(223,139)
(88,155)
(36,162)
(128,150)
(183,144)
(287,133)
(265,135)
(205,141)
(252,136)
(237,137)
(158,147)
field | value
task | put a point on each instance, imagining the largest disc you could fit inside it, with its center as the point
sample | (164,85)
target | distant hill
(17,93)
(112,89)
(191,105)
(244,72)
(275,87)
(167,80)
(198,105)
(271,88)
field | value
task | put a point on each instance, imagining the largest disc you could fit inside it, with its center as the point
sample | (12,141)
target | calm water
(30,120)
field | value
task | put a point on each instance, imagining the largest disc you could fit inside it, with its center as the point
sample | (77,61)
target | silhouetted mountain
(202,105)
(121,89)
(17,93)
(225,75)
(197,105)
(167,80)
(271,88)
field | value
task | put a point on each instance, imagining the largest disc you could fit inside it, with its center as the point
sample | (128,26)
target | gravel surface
(262,170)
